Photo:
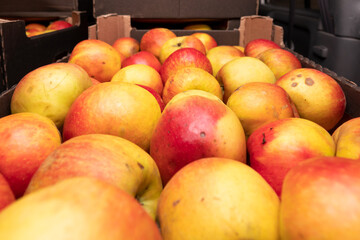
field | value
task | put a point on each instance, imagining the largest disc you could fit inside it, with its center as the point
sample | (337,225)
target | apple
(218,198)
(6,195)
(199,26)
(257,46)
(156,95)
(280,145)
(346,137)
(316,95)
(142,57)
(188,78)
(94,81)
(239,48)
(26,139)
(116,108)
(35,26)
(176,43)
(259,103)
(50,90)
(126,46)
(220,55)
(79,208)
(195,124)
(242,70)
(320,200)
(140,74)
(280,61)
(99,59)
(153,40)
(184,57)
(58,25)
(208,40)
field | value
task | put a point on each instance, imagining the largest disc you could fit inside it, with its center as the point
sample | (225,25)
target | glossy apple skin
(184,57)
(320,200)
(316,95)
(79,208)
(153,40)
(347,139)
(257,46)
(280,61)
(58,25)
(195,126)
(218,198)
(126,46)
(142,57)
(109,158)
(208,40)
(26,139)
(280,145)
(174,44)
(6,194)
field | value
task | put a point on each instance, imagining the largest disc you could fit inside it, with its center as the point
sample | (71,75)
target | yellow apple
(347,139)
(208,40)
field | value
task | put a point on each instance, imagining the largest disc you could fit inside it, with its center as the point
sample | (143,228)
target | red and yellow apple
(316,95)
(197,26)
(176,43)
(142,57)
(278,146)
(98,58)
(195,124)
(156,95)
(257,46)
(50,90)
(58,25)
(184,57)
(153,40)
(126,46)
(78,208)
(218,198)
(347,139)
(208,40)
(116,108)
(320,200)
(6,194)
(37,26)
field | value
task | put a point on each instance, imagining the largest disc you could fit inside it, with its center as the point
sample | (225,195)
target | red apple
(321,200)
(153,40)
(126,46)
(142,57)
(208,41)
(280,61)
(156,95)
(278,146)
(184,57)
(195,124)
(26,139)
(58,25)
(257,46)
(176,43)
(6,195)
(78,208)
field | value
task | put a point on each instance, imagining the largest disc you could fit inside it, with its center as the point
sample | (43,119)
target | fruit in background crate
(176,43)
(26,139)
(153,40)
(280,61)
(242,70)
(50,90)
(108,158)
(320,200)
(156,95)
(184,57)
(99,59)
(220,55)
(189,78)
(127,46)
(195,124)
(142,57)
(78,208)
(200,26)
(316,95)
(140,74)
(6,195)
(239,48)
(120,109)
(208,40)
(58,25)
(258,103)
(278,146)
(36,26)
(347,139)
(257,46)
(218,198)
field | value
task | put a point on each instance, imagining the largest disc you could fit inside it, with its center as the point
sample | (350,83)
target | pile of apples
(175,137)
(34,29)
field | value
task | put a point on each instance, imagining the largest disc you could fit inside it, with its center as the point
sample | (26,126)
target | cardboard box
(20,54)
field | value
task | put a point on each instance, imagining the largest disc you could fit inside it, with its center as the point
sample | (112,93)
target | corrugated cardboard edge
(255,26)
(110,27)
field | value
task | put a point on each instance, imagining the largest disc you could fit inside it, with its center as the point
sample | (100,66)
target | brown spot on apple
(292,79)
(176,203)
(309,81)
(202,199)
(29,90)
(263,139)
(202,134)
(140,166)
(294,84)
(299,75)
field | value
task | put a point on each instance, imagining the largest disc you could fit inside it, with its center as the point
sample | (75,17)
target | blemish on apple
(202,134)
(309,81)
(263,139)
(294,84)
(176,202)
(140,165)
(299,75)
